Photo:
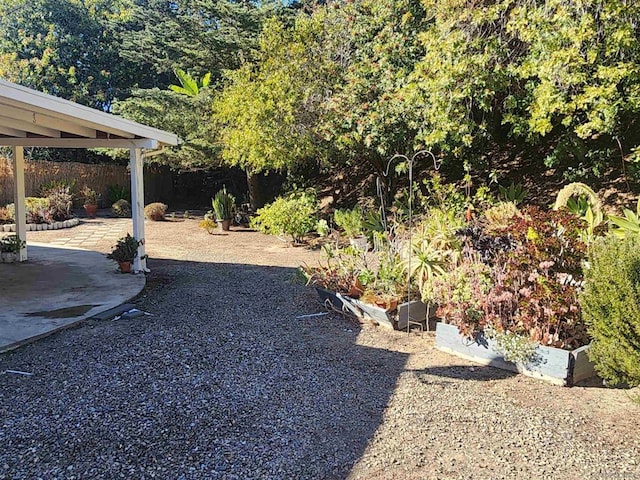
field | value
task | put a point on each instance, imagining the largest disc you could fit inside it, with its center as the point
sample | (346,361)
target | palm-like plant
(188,85)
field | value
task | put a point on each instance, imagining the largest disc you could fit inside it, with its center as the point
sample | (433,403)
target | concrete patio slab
(58,287)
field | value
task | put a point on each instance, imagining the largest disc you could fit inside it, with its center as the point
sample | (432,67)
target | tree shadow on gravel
(226,379)
(480,373)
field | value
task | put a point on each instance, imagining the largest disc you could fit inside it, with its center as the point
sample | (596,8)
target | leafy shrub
(155,211)
(5,216)
(535,274)
(434,247)
(350,221)
(460,293)
(60,202)
(91,197)
(446,196)
(11,244)
(536,285)
(121,208)
(208,224)
(37,210)
(293,215)
(125,250)
(322,228)
(515,193)
(611,308)
(40,215)
(627,225)
(486,245)
(55,185)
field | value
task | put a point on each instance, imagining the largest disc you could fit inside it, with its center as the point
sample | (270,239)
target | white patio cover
(29,118)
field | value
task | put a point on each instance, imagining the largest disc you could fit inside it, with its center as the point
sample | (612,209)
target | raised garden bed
(396,319)
(32,227)
(554,365)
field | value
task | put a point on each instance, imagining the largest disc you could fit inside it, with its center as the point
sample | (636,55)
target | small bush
(55,185)
(37,210)
(60,202)
(293,215)
(121,208)
(209,225)
(611,308)
(155,211)
(5,216)
(350,221)
(500,215)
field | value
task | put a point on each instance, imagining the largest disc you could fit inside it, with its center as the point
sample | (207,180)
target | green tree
(196,35)
(369,117)
(268,113)
(188,114)
(66,48)
(560,73)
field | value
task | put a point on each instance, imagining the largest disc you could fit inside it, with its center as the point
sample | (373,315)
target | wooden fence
(38,173)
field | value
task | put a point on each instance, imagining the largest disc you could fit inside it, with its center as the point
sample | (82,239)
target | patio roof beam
(22,97)
(12,132)
(28,127)
(47,121)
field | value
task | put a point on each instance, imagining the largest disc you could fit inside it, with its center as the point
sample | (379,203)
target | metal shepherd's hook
(410,162)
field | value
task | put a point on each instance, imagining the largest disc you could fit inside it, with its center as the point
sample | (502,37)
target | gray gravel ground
(223,381)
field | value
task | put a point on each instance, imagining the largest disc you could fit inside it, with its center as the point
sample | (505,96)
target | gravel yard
(225,382)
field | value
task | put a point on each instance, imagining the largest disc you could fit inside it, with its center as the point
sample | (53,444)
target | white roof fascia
(80,142)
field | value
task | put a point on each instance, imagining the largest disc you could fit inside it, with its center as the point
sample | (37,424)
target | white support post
(19,199)
(136,162)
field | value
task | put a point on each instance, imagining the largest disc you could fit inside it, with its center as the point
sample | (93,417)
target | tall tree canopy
(65,47)
(268,113)
(454,76)
(199,36)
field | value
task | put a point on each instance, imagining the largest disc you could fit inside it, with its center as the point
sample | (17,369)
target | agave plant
(425,263)
(627,225)
(515,193)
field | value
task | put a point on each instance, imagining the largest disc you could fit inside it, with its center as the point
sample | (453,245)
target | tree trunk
(263,188)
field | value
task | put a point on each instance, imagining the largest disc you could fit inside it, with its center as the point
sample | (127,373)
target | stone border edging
(32,227)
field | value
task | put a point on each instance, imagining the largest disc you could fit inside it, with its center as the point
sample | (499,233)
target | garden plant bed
(554,365)
(393,320)
(32,227)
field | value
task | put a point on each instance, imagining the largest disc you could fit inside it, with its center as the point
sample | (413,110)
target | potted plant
(10,247)
(352,224)
(124,252)
(222,204)
(91,199)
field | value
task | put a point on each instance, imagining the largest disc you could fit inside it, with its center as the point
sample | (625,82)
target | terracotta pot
(356,289)
(125,267)
(224,225)
(91,210)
